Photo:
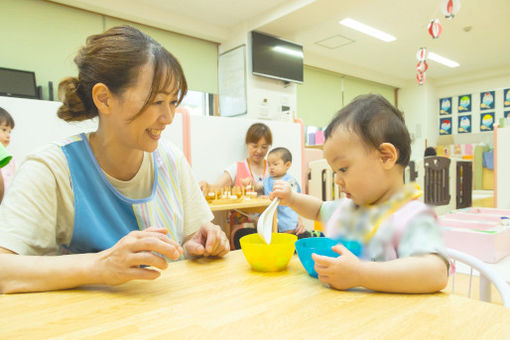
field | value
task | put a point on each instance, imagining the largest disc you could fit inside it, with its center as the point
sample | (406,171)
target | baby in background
(6,126)
(368,146)
(279,161)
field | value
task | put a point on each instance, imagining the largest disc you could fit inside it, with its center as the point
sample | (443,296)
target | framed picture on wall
(487,100)
(445,106)
(445,126)
(464,124)
(507,114)
(487,121)
(506,97)
(464,103)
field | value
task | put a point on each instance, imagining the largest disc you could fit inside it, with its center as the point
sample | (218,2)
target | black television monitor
(18,83)
(276,58)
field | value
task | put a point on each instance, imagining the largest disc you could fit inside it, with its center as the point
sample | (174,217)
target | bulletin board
(232,82)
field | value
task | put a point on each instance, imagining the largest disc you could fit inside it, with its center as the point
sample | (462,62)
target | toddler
(279,161)
(367,145)
(6,126)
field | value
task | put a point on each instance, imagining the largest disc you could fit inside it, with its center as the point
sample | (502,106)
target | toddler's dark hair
(283,153)
(6,118)
(375,120)
(430,151)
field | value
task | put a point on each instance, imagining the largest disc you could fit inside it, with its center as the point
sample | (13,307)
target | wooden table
(254,205)
(224,299)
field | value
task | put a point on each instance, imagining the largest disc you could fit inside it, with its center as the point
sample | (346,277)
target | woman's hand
(342,272)
(123,261)
(247,182)
(209,240)
(283,191)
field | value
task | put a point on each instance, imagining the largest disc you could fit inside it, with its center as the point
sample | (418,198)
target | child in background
(279,161)
(368,145)
(6,126)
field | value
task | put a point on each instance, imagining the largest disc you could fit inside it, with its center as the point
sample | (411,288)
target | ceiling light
(374,32)
(442,60)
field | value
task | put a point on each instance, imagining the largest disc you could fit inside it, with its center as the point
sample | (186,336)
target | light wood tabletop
(224,299)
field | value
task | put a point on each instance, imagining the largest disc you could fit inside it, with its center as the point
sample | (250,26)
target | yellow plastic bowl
(271,257)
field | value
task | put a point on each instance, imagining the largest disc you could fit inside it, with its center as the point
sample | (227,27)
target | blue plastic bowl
(321,246)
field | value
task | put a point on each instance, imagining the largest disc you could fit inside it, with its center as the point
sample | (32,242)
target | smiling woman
(116,199)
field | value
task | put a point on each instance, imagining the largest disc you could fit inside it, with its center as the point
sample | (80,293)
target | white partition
(174,132)
(217,142)
(502,167)
(37,124)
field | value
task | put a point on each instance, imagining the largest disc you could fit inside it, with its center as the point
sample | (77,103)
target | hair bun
(72,108)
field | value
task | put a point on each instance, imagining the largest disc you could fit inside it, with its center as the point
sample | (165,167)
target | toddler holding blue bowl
(368,146)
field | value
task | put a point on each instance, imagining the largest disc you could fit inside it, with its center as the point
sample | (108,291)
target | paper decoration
(487,121)
(445,126)
(506,97)
(450,8)
(464,124)
(464,103)
(422,66)
(420,77)
(422,54)
(434,28)
(445,106)
(487,100)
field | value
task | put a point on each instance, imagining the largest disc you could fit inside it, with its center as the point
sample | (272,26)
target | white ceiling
(482,50)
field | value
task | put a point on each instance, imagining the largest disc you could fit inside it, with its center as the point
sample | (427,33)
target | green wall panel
(44,37)
(199,58)
(319,97)
(324,92)
(354,87)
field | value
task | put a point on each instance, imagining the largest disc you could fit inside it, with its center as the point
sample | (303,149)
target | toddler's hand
(341,272)
(283,191)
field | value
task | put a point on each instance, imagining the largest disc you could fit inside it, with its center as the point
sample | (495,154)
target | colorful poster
(445,106)
(487,121)
(487,100)
(445,126)
(507,114)
(464,124)
(464,103)
(506,97)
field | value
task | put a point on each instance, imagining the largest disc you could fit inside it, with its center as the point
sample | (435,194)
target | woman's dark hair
(258,131)
(375,121)
(114,59)
(6,118)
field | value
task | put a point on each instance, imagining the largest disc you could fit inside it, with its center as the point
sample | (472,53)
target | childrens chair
(487,276)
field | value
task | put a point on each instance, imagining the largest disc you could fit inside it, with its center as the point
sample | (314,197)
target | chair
(487,276)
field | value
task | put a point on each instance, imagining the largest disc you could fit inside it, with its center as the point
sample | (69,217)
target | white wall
(215,142)
(218,142)
(37,124)
(503,168)
(421,107)
(416,102)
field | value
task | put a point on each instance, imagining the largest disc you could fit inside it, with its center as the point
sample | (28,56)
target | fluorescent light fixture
(442,60)
(374,32)
(288,51)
